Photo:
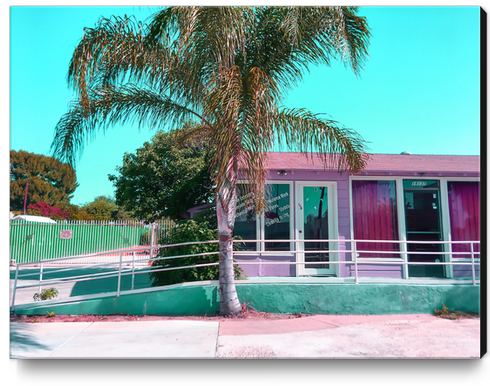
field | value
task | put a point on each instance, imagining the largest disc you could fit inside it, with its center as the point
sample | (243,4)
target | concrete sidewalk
(319,336)
(149,339)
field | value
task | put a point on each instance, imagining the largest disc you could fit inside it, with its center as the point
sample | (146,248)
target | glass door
(423,223)
(315,221)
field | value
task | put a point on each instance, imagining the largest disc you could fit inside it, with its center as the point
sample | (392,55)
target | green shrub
(209,216)
(189,231)
(46,294)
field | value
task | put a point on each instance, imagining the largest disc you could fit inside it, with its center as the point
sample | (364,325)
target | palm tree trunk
(225,210)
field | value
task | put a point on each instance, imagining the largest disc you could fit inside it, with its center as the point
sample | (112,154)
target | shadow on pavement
(20,338)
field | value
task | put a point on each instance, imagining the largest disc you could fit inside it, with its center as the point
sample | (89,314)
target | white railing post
(40,279)
(15,287)
(296,250)
(152,235)
(119,275)
(132,280)
(450,267)
(472,264)
(404,250)
(354,256)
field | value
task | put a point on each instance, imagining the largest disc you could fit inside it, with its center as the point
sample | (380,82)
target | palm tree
(225,68)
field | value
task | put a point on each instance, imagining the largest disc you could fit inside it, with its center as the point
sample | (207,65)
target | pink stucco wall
(343,223)
(343,218)
(298,168)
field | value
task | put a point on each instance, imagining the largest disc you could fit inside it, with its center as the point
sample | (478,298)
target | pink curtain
(464,214)
(375,217)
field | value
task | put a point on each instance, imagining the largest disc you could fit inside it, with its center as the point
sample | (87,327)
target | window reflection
(277,218)
(315,204)
(245,221)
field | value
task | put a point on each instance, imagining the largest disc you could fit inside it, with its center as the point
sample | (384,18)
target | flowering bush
(43,209)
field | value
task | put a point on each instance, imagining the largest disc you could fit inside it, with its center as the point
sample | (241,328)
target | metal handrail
(368,260)
(353,251)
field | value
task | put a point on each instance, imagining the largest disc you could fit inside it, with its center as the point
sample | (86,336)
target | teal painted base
(341,299)
(185,300)
(360,299)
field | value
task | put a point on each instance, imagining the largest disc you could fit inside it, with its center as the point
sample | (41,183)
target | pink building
(405,207)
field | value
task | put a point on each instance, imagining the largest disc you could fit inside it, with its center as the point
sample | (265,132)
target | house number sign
(66,235)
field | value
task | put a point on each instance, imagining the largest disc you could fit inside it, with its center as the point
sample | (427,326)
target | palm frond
(110,106)
(193,133)
(287,39)
(351,37)
(204,42)
(337,146)
(71,132)
(112,45)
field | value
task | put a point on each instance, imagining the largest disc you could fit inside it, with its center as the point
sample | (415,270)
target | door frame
(440,220)
(333,228)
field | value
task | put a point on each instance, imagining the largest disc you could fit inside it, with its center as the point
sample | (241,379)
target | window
(245,222)
(375,216)
(275,223)
(464,215)
(277,219)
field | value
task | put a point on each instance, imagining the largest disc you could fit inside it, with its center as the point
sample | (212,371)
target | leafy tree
(207,215)
(102,208)
(76,213)
(50,181)
(165,177)
(123,214)
(227,68)
(80,215)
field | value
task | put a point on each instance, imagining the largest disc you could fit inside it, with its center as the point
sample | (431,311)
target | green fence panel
(31,242)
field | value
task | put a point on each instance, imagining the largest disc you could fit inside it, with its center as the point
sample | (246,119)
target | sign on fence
(66,234)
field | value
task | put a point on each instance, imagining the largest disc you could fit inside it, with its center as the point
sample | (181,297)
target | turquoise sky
(419,91)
